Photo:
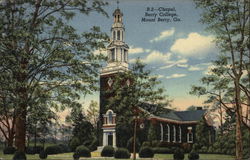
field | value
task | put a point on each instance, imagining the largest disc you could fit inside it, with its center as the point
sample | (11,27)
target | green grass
(68,156)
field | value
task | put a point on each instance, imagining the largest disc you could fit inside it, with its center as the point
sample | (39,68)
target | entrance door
(110,140)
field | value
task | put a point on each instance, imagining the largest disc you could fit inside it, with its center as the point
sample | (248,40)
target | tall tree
(229,21)
(41,54)
(93,113)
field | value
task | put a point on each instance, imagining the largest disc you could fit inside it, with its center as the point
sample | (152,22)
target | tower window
(110,117)
(118,18)
(113,55)
(118,35)
(113,35)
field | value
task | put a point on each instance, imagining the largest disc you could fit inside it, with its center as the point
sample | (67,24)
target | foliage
(19,156)
(82,129)
(76,156)
(55,149)
(83,151)
(130,145)
(9,150)
(151,133)
(122,153)
(178,154)
(64,148)
(193,156)
(93,113)
(45,62)
(108,151)
(43,154)
(164,150)
(202,133)
(146,152)
(74,142)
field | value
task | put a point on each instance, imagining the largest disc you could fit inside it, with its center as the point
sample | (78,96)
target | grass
(96,156)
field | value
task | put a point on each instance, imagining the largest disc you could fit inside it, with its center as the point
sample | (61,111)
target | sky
(177,49)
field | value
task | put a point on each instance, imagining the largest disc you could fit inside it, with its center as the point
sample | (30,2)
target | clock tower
(117,51)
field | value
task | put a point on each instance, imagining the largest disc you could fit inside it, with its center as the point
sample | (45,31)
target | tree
(43,58)
(93,113)
(136,93)
(229,21)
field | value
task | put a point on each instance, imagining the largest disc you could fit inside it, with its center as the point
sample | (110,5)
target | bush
(19,156)
(30,150)
(9,150)
(83,151)
(64,148)
(146,152)
(178,154)
(74,142)
(93,145)
(193,156)
(108,151)
(76,156)
(55,149)
(38,149)
(43,154)
(146,144)
(122,153)
(162,150)
(130,145)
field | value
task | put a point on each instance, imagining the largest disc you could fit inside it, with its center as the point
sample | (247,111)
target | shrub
(203,149)
(130,145)
(93,145)
(108,151)
(9,150)
(178,154)
(76,156)
(74,142)
(193,156)
(122,153)
(162,150)
(64,148)
(43,154)
(155,143)
(38,149)
(19,156)
(146,152)
(30,150)
(55,149)
(83,151)
(146,144)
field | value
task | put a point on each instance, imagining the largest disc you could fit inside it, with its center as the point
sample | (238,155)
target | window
(113,35)
(190,137)
(118,35)
(174,134)
(110,117)
(118,18)
(161,132)
(168,133)
(180,134)
(113,55)
(122,35)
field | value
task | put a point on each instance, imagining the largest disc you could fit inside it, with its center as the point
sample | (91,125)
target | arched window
(190,135)
(118,35)
(118,18)
(168,133)
(110,115)
(113,35)
(161,132)
(180,134)
(174,134)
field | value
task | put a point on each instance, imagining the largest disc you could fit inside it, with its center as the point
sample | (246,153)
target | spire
(117,4)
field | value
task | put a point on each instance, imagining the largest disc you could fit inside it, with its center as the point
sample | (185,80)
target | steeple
(117,49)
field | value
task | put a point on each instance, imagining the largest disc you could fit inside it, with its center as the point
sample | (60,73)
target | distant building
(171,126)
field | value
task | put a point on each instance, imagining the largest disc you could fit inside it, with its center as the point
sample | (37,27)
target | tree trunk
(238,111)
(134,141)
(20,131)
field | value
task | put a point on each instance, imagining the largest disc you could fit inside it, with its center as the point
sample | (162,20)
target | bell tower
(117,51)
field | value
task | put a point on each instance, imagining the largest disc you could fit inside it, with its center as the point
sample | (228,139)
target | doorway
(110,140)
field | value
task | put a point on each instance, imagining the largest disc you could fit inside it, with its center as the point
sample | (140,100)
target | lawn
(96,156)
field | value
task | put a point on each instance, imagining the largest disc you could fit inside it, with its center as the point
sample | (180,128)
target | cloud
(194,45)
(179,63)
(176,75)
(157,57)
(195,68)
(163,35)
(136,50)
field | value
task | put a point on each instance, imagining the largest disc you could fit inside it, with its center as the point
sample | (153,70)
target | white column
(114,139)
(168,133)
(104,139)
(180,134)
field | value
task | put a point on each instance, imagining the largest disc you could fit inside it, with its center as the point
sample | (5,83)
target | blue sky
(179,53)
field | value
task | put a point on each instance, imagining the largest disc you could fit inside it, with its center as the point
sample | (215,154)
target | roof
(194,115)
